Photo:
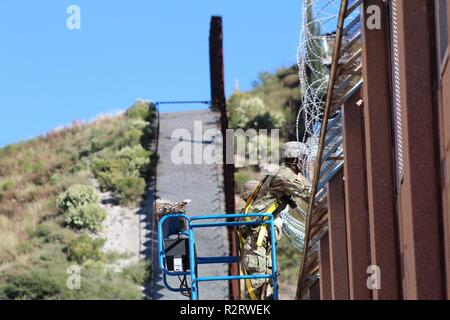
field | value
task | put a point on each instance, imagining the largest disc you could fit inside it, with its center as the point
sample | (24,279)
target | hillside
(53,207)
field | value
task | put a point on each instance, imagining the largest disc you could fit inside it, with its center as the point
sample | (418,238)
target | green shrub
(138,273)
(54,179)
(148,136)
(262,121)
(129,161)
(100,140)
(100,165)
(288,258)
(98,284)
(108,172)
(43,276)
(253,113)
(123,175)
(240,177)
(136,154)
(284,72)
(96,145)
(45,233)
(140,110)
(85,248)
(41,231)
(77,167)
(139,124)
(116,165)
(27,165)
(24,166)
(152,113)
(154,159)
(102,170)
(138,159)
(38,167)
(31,286)
(130,189)
(77,196)
(88,217)
(107,181)
(6,185)
(132,138)
(26,247)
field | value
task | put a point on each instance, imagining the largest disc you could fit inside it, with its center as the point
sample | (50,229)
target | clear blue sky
(149,49)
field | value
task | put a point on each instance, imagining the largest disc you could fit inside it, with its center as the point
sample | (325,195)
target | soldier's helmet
(294,149)
(249,187)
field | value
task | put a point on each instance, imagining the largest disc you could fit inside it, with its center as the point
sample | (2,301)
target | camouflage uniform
(291,191)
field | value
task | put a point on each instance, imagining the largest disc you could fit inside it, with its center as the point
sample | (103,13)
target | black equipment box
(177,254)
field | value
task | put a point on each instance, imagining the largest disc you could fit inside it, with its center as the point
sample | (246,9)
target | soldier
(285,190)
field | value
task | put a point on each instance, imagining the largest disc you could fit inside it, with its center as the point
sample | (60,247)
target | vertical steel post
(314,291)
(420,199)
(192,262)
(445,157)
(356,199)
(324,265)
(274,260)
(218,101)
(338,238)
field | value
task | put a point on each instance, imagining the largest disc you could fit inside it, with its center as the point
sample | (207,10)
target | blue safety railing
(192,224)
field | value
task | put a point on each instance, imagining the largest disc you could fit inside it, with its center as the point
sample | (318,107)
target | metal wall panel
(337,234)
(357,220)
(420,196)
(379,146)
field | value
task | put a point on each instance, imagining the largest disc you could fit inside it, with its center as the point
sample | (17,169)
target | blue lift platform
(181,247)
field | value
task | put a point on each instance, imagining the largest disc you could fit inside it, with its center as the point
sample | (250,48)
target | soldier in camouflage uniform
(290,191)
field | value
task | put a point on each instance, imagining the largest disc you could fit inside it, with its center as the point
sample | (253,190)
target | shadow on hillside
(149,248)
(111,200)
(148,239)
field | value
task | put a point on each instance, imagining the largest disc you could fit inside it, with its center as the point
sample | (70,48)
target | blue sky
(149,49)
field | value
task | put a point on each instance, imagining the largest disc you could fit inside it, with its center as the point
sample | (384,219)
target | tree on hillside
(314,68)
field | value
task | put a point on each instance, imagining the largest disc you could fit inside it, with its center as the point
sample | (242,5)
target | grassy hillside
(50,213)
(271,104)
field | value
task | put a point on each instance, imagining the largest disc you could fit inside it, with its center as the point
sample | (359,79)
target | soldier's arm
(288,184)
(300,189)
(298,200)
(296,187)
(300,194)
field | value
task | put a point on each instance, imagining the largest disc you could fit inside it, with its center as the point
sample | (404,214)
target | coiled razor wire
(293,229)
(319,20)
(314,55)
